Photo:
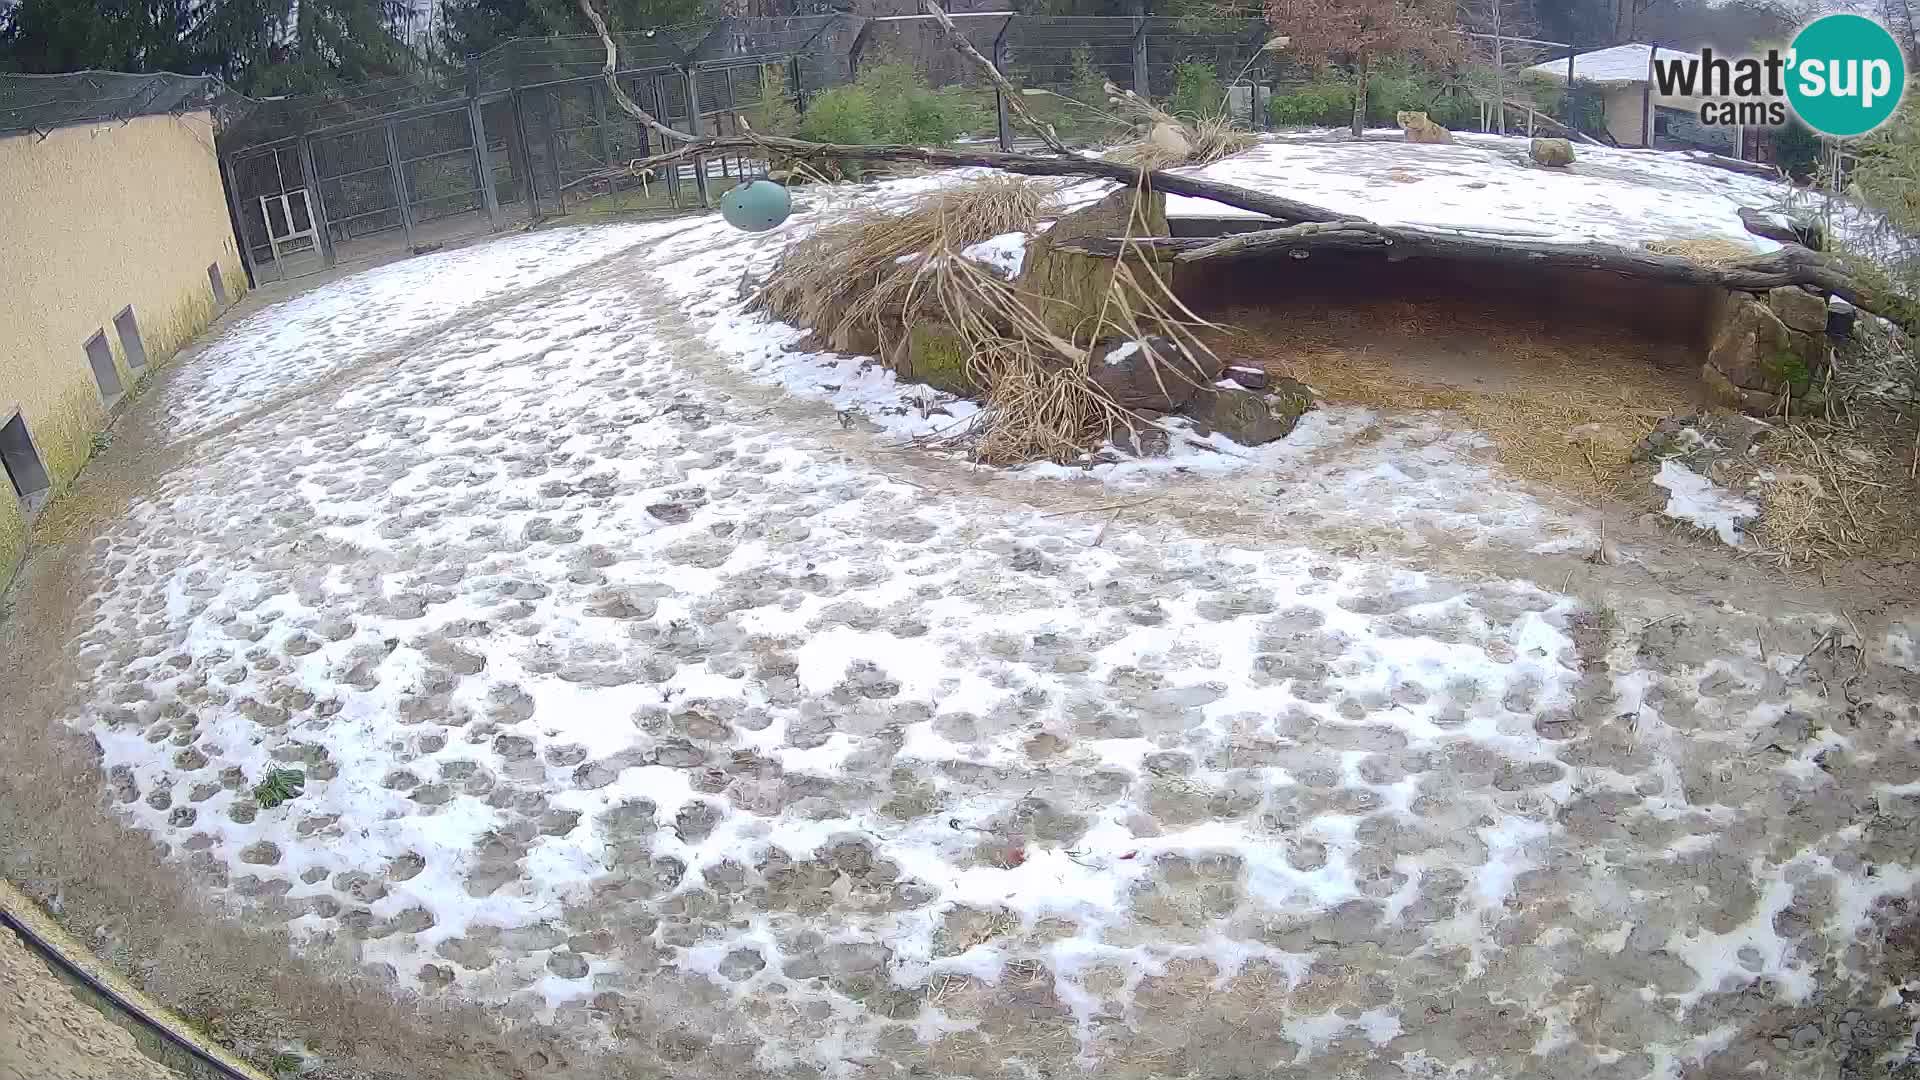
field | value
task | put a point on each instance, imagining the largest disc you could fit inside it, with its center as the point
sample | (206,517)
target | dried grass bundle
(1706,251)
(851,282)
(843,277)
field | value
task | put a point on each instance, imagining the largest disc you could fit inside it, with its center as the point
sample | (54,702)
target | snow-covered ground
(302,341)
(1486,183)
(644,674)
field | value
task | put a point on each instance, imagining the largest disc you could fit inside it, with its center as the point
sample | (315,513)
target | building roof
(44,102)
(1618,64)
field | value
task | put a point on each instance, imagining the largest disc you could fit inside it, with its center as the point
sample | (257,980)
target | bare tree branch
(620,97)
(1008,91)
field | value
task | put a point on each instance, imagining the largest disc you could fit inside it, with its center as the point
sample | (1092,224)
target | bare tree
(1496,22)
(1357,34)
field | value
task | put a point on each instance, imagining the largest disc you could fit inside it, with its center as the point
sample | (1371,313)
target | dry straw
(862,281)
(1167,140)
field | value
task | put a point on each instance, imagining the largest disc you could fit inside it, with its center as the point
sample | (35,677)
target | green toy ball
(756,206)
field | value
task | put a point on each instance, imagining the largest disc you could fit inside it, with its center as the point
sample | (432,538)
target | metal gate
(276,218)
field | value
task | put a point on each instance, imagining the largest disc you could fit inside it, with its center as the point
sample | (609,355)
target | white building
(1636,112)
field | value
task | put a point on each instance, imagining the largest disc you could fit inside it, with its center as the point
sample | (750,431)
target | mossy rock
(1064,288)
(934,353)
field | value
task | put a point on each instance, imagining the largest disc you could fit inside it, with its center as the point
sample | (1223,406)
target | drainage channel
(158,1033)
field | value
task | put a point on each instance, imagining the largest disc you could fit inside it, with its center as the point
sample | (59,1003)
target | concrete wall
(95,218)
(1626,115)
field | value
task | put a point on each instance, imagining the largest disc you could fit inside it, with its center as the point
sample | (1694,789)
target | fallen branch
(1791,265)
(1539,117)
(620,98)
(1733,164)
(1807,234)
(1009,93)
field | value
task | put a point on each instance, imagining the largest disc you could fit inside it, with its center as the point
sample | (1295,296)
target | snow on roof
(1619,64)
(1485,184)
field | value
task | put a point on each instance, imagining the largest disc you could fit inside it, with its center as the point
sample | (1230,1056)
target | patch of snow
(1700,502)
(1484,184)
(1117,355)
(1004,253)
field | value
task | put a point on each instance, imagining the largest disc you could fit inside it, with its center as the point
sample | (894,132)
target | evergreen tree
(258,47)
(475,26)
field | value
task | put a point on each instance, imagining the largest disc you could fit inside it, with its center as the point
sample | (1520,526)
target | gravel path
(631,692)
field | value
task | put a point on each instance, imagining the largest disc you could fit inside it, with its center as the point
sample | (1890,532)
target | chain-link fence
(530,130)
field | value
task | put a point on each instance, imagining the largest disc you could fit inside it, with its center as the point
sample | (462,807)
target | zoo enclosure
(526,131)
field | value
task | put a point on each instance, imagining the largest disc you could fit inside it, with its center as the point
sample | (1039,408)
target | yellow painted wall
(94,218)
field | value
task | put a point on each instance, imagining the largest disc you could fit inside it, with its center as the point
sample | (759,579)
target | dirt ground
(46,1033)
(1354,764)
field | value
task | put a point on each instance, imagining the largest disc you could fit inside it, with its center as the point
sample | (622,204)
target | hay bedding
(862,282)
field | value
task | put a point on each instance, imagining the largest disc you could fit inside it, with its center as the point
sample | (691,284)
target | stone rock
(1064,288)
(1752,347)
(1419,129)
(1170,141)
(1153,372)
(1246,416)
(1553,153)
(1723,392)
(933,353)
(1799,309)
(1144,438)
(855,339)
(1252,378)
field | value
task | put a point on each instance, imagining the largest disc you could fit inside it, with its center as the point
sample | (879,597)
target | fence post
(399,183)
(999,95)
(315,204)
(1141,85)
(1573,111)
(599,93)
(239,223)
(694,128)
(477,127)
(553,153)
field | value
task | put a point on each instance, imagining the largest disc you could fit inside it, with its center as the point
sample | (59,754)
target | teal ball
(756,206)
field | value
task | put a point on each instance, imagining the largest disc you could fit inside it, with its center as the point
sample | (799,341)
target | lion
(1419,129)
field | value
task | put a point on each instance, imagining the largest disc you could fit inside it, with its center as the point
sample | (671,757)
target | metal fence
(527,130)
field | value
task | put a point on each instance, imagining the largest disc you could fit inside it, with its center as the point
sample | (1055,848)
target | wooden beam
(1791,265)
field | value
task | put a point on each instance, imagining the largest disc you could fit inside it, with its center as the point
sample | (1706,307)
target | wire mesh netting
(44,102)
(532,128)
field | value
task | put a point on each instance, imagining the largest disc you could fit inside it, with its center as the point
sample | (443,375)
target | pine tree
(475,26)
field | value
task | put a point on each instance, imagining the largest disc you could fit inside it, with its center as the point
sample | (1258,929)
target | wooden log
(1791,265)
(1807,233)
(1759,224)
(1733,164)
(1538,117)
